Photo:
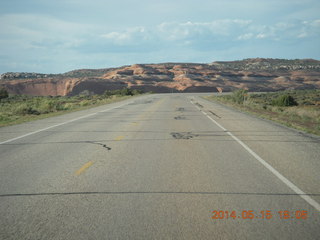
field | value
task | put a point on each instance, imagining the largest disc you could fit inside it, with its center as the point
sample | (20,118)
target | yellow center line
(119,138)
(84,167)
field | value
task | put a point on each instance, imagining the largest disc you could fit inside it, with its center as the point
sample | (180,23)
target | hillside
(254,74)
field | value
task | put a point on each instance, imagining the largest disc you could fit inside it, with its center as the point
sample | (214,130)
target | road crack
(214,114)
(101,144)
(180,117)
(183,135)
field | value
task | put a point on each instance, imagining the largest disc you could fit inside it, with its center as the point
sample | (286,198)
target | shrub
(60,106)
(284,101)
(108,93)
(3,93)
(122,92)
(46,105)
(239,96)
(85,103)
(136,91)
(4,117)
(86,93)
(24,110)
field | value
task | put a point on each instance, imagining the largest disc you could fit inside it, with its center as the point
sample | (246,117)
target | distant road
(161,166)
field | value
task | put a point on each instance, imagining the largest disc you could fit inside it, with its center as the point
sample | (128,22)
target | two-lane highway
(162,166)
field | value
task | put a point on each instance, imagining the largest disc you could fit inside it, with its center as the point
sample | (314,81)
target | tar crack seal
(180,118)
(199,105)
(215,114)
(180,109)
(103,145)
(183,135)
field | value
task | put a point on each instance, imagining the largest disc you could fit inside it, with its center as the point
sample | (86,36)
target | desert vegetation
(3,93)
(296,108)
(20,108)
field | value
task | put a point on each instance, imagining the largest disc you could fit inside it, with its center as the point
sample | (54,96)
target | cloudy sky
(55,36)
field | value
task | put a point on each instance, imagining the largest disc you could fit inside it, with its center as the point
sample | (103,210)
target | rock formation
(254,74)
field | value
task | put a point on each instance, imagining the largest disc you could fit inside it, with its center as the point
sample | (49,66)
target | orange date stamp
(264,214)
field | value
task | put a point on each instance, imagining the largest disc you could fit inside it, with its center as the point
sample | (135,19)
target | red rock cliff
(252,74)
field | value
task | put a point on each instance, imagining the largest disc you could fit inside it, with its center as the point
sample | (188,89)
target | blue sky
(57,36)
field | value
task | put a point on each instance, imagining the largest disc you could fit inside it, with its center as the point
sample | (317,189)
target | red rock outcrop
(41,87)
(252,74)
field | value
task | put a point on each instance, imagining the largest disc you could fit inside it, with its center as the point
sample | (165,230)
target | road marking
(286,181)
(84,167)
(119,138)
(60,124)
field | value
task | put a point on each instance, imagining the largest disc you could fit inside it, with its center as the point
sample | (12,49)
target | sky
(47,36)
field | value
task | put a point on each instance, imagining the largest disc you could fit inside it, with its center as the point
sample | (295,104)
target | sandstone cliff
(253,74)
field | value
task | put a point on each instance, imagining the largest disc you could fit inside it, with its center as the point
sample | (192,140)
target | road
(158,167)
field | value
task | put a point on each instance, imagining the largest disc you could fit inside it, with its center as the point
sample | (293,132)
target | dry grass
(305,116)
(18,109)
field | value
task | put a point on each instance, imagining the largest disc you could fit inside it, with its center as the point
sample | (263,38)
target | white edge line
(286,181)
(57,125)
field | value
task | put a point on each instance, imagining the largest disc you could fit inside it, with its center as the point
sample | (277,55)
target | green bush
(239,96)
(122,92)
(284,101)
(125,92)
(46,105)
(15,107)
(136,91)
(3,93)
(24,110)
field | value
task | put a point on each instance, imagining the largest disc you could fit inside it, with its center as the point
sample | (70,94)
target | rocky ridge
(257,74)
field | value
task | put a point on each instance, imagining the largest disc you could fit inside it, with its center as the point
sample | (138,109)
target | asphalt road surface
(163,166)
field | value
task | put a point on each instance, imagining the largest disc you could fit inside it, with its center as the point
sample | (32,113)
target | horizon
(128,65)
(66,35)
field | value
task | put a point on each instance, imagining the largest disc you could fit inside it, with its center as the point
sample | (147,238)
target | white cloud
(176,31)
(36,38)
(128,36)
(316,23)
(228,29)
(39,31)
(116,36)
(218,34)
(303,35)
(261,36)
(40,24)
(245,36)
